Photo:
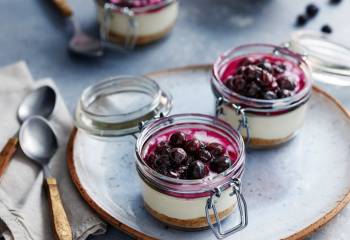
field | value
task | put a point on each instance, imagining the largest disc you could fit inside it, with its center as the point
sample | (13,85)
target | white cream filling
(268,127)
(147,23)
(181,208)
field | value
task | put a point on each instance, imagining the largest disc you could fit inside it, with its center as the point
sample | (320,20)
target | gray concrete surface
(33,31)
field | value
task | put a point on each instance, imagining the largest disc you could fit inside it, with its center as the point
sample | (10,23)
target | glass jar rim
(149,101)
(177,185)
(144,9)
(278,104)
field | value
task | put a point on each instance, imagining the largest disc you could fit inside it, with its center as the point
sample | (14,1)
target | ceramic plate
(290,191)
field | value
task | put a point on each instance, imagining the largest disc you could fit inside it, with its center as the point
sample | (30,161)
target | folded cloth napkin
(24,212)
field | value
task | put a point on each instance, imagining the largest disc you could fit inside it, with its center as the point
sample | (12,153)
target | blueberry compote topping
(264,77)
(183,156)
(135,3)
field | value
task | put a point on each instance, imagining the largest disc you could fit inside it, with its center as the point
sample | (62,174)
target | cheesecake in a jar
(139,22)
(188,165)
(263,88)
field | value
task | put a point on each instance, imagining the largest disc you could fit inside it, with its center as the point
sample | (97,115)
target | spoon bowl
(38,140)
(40,102)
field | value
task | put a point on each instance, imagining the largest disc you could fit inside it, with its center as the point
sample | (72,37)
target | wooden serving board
(291,191)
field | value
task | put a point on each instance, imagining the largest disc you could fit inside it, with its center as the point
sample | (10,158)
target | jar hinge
(242,206)
(243,122)
(130,39)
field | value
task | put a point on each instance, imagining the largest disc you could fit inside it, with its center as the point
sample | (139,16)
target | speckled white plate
(291,191)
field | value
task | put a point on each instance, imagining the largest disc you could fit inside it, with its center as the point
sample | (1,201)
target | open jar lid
(116,106)
(330,61)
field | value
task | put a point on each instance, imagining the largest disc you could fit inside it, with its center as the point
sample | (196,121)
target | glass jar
(127,24)
(268,122)
(116,106)
(193,204)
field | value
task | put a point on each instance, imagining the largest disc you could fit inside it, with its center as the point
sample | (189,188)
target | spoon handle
(7,153)
(63,7)
(61,227)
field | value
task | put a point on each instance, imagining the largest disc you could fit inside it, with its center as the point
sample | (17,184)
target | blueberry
(216,149)
(283,93)
(334,2)
(205,156)
(301,20)
(193,146)
(326,29)
(177,156)
(162,164)
(265,65)
(286,82)
(312,10)
(162,148)
(266,79)
(279,69)
(253,90)
(220,164)
(196,170)
(251,73)
(150,160)
(239,83)
(177,139)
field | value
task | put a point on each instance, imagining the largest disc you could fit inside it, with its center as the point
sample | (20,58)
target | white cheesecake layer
(150,23)
(268,127)
(183,209)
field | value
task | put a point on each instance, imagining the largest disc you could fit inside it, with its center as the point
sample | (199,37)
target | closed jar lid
(116,106)
(329,61)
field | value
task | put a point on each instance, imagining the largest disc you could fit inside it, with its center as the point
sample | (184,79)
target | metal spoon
(80,43)
(40,102)
(39,143)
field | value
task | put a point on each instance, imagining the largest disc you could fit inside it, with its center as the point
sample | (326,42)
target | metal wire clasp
(243,122)
(235,183)
(131,37)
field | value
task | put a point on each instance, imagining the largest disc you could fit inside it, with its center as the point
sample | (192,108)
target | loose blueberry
(196,170)
(177,139)
(335,2)
(301,20)
(177,156)
(220,164)
(326,29)
(312,10)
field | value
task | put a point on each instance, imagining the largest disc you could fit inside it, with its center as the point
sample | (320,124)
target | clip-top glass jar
(116,106)
(196,203)
(135,22)
(269,121)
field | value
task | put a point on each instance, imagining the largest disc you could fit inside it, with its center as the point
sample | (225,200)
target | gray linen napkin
(24,209)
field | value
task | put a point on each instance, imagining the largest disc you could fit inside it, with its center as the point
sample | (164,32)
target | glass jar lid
(330,61)
(116,106)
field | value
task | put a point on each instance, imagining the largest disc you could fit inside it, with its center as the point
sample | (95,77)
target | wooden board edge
(103,214)
(301,234)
